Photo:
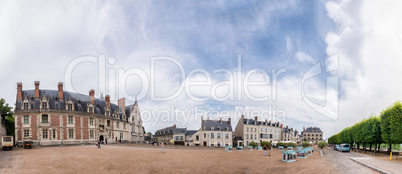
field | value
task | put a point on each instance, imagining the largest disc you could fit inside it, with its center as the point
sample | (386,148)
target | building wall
(215,140)
(245,131)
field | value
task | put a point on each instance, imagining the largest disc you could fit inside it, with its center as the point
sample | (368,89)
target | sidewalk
(380,165)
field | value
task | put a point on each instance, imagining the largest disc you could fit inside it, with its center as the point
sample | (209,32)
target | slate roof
(80,102)
(191,132)
(180,131)
(165,131)
(238,139)
(284,130)
(208,124)
(296,132)
(253,122)
(312,130)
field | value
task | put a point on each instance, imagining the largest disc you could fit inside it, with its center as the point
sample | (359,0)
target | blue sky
(40,40)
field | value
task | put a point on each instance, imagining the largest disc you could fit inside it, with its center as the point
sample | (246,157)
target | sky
(322,63)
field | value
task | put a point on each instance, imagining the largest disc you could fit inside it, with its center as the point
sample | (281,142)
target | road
(341,162)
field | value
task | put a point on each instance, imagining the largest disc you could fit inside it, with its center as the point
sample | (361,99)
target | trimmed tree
(305,144)
(265,143)
(322,144)
(254,144)
(391,125)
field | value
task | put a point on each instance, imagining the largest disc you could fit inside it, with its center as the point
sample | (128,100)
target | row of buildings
(220,133)
(58,117)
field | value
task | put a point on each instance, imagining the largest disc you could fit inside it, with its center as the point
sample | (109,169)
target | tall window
(212,135)
(70,120)
(246,136)
(91,109)
(251,136)
(212,128)
(107,113)
(91,134)
(25,106)
(44,119)
(91,121)
(205,135)
(247,129)
(44,134)
(251,129)
(219,135)
(54,133)
(266,130)
(226,136)
(26,133)
(26,119)
(44,105)
(262,129)
(70,106)
(197,137)
(118,125)
(108,123)
(124,125)
(71,134)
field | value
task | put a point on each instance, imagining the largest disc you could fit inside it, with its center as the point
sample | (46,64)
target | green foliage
(254,144)
(280,143)
(391,124)
(149,133)
(305,144)
(265,143)
(7,115)
(322,144)
(292,144)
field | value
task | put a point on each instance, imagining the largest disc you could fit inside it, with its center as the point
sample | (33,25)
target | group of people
(99,142)
(269,148)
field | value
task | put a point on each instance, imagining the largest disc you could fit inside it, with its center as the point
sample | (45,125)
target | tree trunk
(389,148)
(370,147)
(364,146)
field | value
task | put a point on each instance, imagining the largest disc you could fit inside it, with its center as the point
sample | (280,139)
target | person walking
(265,150)
(106,140)
(162,146)
(99,144)
(269,149)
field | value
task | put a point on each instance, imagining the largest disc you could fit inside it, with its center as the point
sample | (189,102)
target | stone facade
(57,117)
(312,134)
(213,133)
(249,130)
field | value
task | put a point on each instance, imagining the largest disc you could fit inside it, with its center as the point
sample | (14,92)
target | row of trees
(386,128)
(6,113)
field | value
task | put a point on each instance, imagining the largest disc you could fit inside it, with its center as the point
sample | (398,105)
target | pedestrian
(99,142)
(106,140)
(269,149)
(265,150)
(162,146)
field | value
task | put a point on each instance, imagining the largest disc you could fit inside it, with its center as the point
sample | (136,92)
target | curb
(370,166)
(321,153)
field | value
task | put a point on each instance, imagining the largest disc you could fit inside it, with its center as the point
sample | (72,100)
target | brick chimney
(281,126)
(304,129)
(36,89)
(92,95)
(174,126)
(256,120)
(220,120)
(230,121)
(19,91)
(287,127)
(201,122)
(315,128)
(242,118)
(122,103)
(60,87)
(208,119)
(107,99)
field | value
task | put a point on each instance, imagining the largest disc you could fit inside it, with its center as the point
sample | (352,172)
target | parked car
(344,148)
(336,147)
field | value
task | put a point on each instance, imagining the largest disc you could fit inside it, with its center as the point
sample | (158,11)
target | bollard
(390,156)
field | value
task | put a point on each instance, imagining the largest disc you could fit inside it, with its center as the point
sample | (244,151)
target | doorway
(204,144)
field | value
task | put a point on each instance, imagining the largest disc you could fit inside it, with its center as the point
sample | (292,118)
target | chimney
(220,120)
(281,126)
(256,120)
(19,91)
(60,87)
(304,129)
(230,121)
(201,122)
(287,127)
(242,118)
(266,121)
(208,118)
(36,89)
(314,128)
(92,95)
(122,104)
(107,99)
(174,126)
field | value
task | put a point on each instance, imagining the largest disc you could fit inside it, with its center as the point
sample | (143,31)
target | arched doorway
(101,138)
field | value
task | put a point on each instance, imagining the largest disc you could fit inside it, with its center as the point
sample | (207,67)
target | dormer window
(107,113)
(44,105)
(91,109)
(70,107)
(26,106)
(219,128)
(212,128)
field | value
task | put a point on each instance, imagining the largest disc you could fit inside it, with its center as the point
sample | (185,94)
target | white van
(7,142)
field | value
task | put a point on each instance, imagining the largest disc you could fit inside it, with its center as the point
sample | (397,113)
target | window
(118,125)
(271,130)
(32,105)
(71,134)
(54,133)
(70,106)
(176,138)
(44,134)
(44,119)
(70,120)
(91,109)
(26,133)
(91,121)
(247,129)
(25,106)
(108,123)
(226,136)
(246,136)
(262,129)
(219,135)
(205,135)
(219,128)
(275,130)
(251,129)
(181,138)
(108,113)
(124,125)
(44,105)
(91,134)
(26,119)
(212,128)
(212,135)
(197,137)
(255,129)
(275,136)
(251,136)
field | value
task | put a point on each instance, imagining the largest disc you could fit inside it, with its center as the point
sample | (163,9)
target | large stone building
(249,130)
(174,135)
(312,134)
(57,117)
(213,133)
(288,134)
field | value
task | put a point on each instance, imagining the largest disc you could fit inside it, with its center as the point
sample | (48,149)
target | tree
(321,144)
(391,125)
(305,144)
(149,133)
(265,143)
(7,115)
(292,144)
(280,143)
(254,144)
(143,129)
